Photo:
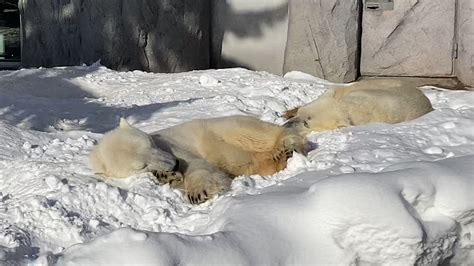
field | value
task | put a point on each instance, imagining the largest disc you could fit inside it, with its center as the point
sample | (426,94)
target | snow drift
(412,213)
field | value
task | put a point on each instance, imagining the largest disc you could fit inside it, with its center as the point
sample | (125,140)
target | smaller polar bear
(199,156)
(362,102)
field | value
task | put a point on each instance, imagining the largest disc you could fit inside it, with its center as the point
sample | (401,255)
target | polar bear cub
(362,102)
(207,153)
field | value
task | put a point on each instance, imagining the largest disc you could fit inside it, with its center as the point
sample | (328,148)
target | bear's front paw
(175,179)
(202,185)
(287,146)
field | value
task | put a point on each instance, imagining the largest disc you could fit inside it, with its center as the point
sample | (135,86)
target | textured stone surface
(323,38)
(414,39)
(159,36)
(465,36)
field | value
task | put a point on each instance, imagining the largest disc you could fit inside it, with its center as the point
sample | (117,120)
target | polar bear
(200,156)
(362,102)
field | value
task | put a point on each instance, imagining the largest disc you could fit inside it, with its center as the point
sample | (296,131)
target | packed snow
(375,194)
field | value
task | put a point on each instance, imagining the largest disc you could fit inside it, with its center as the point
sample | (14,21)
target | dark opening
(10,42)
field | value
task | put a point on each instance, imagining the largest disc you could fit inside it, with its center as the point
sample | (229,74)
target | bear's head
(127,151)
(319,115)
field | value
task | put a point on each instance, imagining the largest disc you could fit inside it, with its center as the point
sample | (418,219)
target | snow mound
(406,214)
(298,75)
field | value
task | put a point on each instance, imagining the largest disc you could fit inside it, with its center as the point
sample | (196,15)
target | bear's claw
(202,185)
(168,177)
(196,198)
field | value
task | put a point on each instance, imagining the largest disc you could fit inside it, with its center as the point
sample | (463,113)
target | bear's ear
(123,123)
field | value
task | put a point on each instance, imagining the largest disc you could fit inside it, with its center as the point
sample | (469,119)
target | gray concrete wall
(465,37)
(415,38)
(159,36)
(249,33)
(323,39)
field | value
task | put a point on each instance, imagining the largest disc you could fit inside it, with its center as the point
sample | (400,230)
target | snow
(374,194)
(298,75)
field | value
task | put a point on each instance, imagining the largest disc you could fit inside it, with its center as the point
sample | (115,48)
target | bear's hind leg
(247,133)
(228,157)
(237,159)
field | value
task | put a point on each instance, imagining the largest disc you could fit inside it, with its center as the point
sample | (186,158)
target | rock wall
(323,38)
(416,38)
(465,38)
(158,36)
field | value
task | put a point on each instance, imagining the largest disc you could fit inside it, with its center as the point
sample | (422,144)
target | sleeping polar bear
(200,156)
(362,102)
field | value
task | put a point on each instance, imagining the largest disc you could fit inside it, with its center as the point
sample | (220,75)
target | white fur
(126,150)
(363,102)
(210,152)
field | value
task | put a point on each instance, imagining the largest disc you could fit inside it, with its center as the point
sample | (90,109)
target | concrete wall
(323,39)
(465,38)
(159,36)
(249,33)
(415,38)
